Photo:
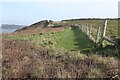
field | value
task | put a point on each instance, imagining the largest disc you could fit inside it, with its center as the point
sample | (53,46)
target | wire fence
(96,35)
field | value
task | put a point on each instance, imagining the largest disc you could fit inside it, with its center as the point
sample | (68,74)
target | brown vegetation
(21,59)
(35,31)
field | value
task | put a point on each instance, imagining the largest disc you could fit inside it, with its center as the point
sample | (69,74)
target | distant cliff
(11,26)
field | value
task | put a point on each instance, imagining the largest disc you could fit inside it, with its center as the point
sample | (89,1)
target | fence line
(87,30)
(96,35)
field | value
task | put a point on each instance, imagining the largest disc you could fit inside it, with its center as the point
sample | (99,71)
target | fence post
(97,35)
(103,31)
(86,29)
(82,28)
(90,31)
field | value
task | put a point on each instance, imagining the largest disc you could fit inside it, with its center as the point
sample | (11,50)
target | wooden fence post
(90,31)
(97,35)
(103,31)
(87,29)
(82,28)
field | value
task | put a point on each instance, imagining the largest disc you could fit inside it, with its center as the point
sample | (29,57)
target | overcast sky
(30,11)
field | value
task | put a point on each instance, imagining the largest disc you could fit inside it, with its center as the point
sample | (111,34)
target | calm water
(3,30)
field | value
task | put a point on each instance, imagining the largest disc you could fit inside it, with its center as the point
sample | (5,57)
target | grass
(73,40)
(112,25)
(69,39)
(108,52)
(23,37)
(111,31)
(65,39)
(94,73)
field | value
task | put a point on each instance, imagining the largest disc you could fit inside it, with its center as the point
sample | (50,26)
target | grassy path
(73,40)
(70,39)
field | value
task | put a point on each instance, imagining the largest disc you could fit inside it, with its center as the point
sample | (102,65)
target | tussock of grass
(94,73)
(103,60)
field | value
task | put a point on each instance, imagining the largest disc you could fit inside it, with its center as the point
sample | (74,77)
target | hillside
(49,49)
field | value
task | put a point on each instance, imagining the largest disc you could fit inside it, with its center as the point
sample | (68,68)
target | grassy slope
(72,40)
(68,39)
(78,64)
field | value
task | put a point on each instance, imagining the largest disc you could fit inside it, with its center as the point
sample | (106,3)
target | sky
(26,12)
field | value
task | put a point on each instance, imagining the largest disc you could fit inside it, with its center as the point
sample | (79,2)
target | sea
(5,30)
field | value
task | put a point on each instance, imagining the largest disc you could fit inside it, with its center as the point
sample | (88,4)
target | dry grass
(23,60)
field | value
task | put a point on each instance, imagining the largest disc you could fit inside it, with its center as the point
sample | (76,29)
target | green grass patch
(73,40)
(70,39)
